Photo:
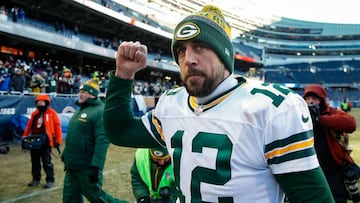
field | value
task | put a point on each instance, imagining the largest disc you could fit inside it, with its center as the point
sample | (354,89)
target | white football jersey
(228,149)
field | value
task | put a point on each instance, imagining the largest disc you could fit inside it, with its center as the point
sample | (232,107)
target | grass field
(15,173)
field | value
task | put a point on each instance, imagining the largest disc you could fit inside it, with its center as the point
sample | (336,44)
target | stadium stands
(289,51)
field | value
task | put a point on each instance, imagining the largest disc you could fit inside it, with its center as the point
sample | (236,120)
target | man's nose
(189,57)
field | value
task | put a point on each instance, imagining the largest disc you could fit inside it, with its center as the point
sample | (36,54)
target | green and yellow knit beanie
(91,86)
(207,26)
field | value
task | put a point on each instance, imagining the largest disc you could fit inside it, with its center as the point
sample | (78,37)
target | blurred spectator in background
(37,84)
(21,15)
(48,68)
(45,77)
(18,81)
(28,73)
(103,2)
(115,43)
(97,41)
(65,82)
(77,84)
(76,30)
(57,26)
(52,84)
(346,105)
(5,80)
(158,55)
(103,83)
(14,14)
(330,130)
(106,43)
(2,11)
(62,27)
(96,76)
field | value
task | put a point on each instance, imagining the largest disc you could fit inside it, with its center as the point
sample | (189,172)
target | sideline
(33,194)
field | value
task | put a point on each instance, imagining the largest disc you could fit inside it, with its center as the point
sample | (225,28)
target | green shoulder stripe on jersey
(156,129)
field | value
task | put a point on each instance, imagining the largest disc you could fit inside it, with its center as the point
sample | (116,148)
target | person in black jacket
(18,81)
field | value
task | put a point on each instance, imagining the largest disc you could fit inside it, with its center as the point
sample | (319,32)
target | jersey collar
(199,108)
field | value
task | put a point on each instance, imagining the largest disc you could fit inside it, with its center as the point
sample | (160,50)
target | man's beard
(200,88)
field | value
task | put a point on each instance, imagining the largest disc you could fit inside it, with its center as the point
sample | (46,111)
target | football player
(230,139)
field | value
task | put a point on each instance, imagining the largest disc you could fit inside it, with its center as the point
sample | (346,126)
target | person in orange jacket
(46,122)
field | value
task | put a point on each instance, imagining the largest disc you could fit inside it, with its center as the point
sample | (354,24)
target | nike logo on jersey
(304,119)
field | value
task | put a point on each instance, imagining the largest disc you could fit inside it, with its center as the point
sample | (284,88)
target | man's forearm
(121,127)
(117,111)
(306,186)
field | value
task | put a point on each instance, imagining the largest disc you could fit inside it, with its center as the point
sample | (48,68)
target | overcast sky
(335,11)
(343,11)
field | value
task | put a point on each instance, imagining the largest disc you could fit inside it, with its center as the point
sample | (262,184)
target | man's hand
(315,113)
(93,174)
(56,144)
(130,58)
(145,199)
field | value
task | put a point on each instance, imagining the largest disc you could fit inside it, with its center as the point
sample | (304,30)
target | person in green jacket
(85,150)
(152,177)
(231,139)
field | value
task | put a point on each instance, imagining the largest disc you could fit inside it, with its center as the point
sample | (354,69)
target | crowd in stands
(42,76)
(45,77)
(17,15)
(36,76)
(147,88)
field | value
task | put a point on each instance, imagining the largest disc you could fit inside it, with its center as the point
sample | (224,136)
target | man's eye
(180,51)
(201,46)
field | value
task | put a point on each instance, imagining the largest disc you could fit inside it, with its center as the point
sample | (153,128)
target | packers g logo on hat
(187,31)
(207,26)
(159,153)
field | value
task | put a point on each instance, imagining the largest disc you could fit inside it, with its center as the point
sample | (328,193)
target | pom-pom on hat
(91,86)
(207,26)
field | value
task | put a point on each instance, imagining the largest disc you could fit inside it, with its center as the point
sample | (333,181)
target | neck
(225,85)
